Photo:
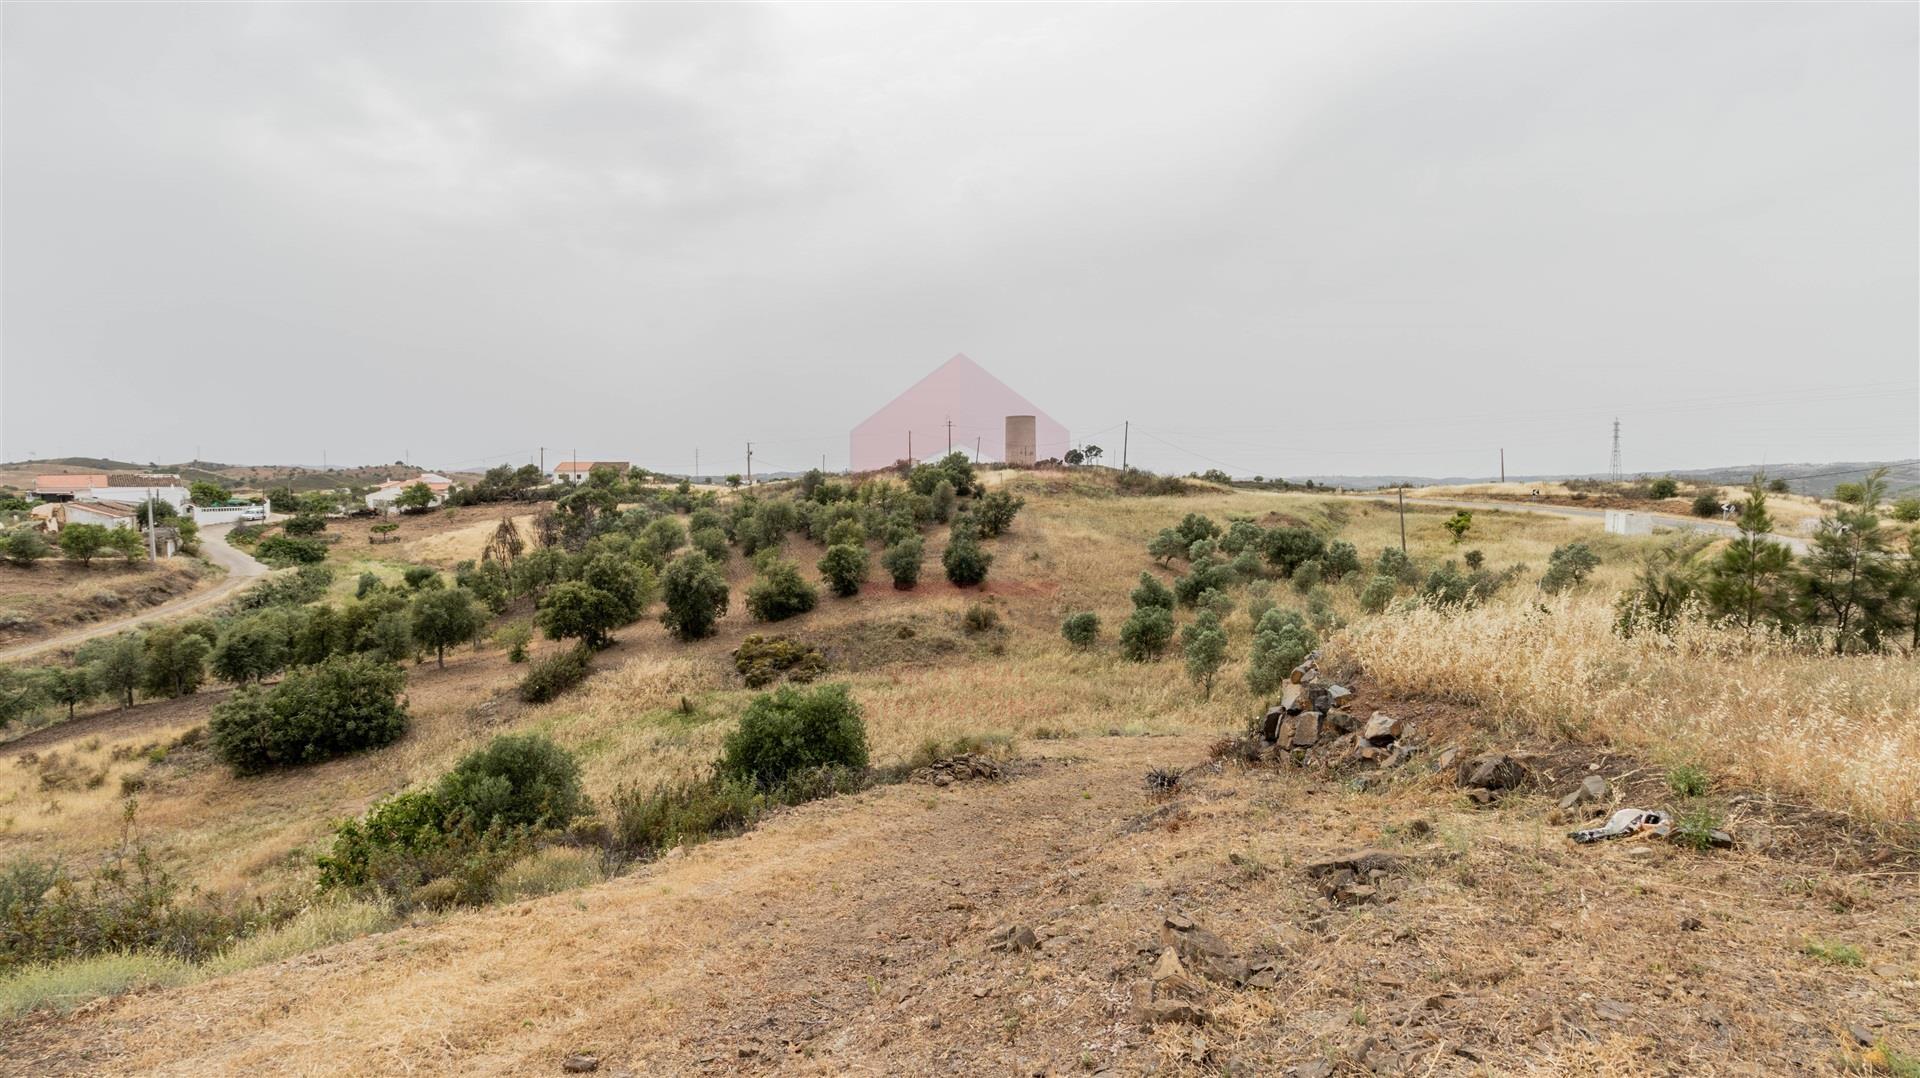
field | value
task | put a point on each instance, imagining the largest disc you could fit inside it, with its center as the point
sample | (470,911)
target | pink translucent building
(959,392)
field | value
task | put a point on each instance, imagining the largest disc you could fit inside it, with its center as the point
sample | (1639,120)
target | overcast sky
(1280,239)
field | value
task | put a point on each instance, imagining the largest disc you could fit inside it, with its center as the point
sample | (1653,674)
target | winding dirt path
(241,571)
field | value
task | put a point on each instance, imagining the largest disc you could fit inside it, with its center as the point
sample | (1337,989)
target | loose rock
(580,1064)
(1206,953)
(1593,790)
(1491,771)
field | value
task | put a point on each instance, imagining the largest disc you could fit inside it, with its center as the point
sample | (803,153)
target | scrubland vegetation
(650,713)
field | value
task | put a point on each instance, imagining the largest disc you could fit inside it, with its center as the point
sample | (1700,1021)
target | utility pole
(949,435)
(976,449)
(543,461)
(1403,518)
(696,464)
(749,463)
(1125,430)
(1614,470)
(151,554)
(909,449)
(1503,464)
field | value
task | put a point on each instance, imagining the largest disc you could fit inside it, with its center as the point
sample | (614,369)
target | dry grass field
(55,595)
(856,933)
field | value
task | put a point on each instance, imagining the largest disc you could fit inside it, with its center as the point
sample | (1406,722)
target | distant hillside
(1817,479)
(19,475)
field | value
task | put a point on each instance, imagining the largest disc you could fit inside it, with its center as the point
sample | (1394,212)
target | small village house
(575,471)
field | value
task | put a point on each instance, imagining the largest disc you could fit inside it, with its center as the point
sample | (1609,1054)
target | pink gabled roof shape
(959,390)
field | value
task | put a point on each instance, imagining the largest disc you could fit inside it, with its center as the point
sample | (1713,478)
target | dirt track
(241,571)
(855,936)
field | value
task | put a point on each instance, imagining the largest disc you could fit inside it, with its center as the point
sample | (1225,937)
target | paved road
(1660,520)
(241,571)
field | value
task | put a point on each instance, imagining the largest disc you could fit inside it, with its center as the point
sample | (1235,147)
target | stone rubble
(961,768)
(1315,723)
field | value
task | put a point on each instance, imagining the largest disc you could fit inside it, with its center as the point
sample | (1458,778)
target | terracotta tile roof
(67,484)
(104,509)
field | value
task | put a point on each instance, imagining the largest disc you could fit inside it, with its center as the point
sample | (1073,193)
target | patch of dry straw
(1841,732)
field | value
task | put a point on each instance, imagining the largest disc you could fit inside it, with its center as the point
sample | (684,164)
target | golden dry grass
(1842,733)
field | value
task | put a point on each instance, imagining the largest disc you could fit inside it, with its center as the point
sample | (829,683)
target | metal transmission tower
(1614,469)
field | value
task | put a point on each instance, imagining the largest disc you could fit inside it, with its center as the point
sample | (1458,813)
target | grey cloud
(1303,238)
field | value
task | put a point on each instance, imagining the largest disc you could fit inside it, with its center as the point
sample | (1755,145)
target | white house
(390,491)
(104,514)
(174,496)
(575,471)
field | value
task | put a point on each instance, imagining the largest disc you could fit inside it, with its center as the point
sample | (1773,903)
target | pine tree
(1749,582)
(1850,579)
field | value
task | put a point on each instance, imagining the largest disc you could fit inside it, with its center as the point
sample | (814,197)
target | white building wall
(174,496)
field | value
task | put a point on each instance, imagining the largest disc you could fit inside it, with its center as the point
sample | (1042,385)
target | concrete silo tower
(1022,437)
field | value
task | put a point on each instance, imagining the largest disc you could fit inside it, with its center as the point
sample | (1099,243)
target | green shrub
(713,543)
(1289,548)
(284,551)
(517,780)
(1475,559)
(1082,630)
(902,561)
(555,674)
(305,584)
(1280,641)
(1340,559)
(24,547)
(695,594)
(1146,633)
(515,637)
(1394,563)
(1688,780)
(980,618)
(1458,524)
(578,610)
(1662,488)
(965,562)
(1378,593)
(1205,573)
(367,585)
(1907,509)
(780,592)
(1307,575)
(1197,526)
(129,904)
(1150,592)
(410,851)
(343,705)
(995,512)
(648,822)
(1567,566)
(792,730)
(1204,644)
(844,567)
(1706,504)
(762,660)
(305,524)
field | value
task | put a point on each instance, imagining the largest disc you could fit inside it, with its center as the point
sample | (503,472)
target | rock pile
(1353,878)
(961,768)
(1189,956)
(1317,720)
